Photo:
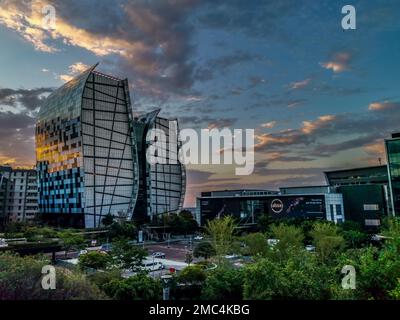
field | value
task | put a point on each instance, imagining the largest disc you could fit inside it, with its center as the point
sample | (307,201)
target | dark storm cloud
(220,65)
(255,18)
(30,99)
(146,41)
(203,122)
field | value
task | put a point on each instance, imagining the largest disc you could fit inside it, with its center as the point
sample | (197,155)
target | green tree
(327,240)
(223,284)
(264,222)
(395,293)
(33,233)
(182,223)
(71,240)
(189,283)
(108,220)
(221,233)
(289,238)
(20,279)
(353,234)
(298,277)
(189,258)
(122,230)
(192,275)
(256,244)
(204,249)
(127,256)
(189,224)
(102,279)
(138,287)
(94,260)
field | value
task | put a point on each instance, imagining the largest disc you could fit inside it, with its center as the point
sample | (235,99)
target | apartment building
(18,194)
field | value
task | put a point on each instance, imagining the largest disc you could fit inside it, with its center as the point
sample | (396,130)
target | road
(175,256)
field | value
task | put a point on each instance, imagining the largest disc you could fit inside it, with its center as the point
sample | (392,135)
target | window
(338,210)
(332,213)
(371,207)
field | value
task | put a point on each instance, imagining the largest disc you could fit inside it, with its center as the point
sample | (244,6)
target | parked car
(152,266)
(272,242)
(198,238)
(158,255)
(310,248)
(82,252)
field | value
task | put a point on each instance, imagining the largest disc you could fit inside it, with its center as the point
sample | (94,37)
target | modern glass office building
(248,205)
(393,163)
(86,151)
(161,185)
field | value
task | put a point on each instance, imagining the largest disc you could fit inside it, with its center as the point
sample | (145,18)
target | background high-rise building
(3,193)
(161,185)
(86,152)
(393,163)
(18,195)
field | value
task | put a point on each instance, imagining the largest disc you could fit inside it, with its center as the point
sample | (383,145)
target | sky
(318,97)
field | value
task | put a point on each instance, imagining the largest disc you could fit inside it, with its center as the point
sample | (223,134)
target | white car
(310,248)
(158,255)
(152,266)
(82,252)
(198,238)
(272,242)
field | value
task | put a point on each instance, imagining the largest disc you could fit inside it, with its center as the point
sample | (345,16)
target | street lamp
(166,285)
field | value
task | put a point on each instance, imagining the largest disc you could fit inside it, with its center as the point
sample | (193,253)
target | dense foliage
(20,279)
(275,264)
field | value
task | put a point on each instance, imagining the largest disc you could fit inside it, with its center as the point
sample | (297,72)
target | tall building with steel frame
(161,185)
(91,156)
(86,152)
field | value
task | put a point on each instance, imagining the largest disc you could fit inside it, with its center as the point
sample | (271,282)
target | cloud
(148,41)
(17,144)
(383,106)
(300,84)
(221,123)
(375,148)
(311,126)
(269,124)
(74,70)
(339,62)
(202,122)
(222,64)
(329,134)
(258,20)
(29,99)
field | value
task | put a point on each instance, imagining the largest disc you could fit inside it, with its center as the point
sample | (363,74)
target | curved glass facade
(86,152)
(162,185)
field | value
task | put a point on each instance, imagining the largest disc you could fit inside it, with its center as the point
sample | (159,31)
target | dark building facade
(365,191)
(248,205)
(393,165)
(358,176)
